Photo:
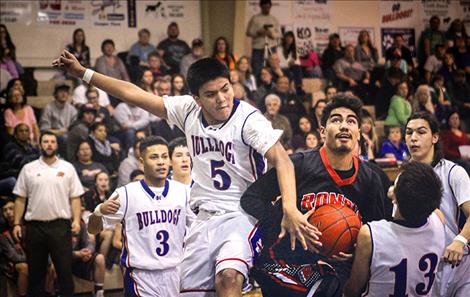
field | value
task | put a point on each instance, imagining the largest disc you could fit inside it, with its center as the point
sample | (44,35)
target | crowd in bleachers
(100,134)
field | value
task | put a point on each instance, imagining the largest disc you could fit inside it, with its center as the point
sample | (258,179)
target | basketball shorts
(455,281)
(214,243)
(151,283)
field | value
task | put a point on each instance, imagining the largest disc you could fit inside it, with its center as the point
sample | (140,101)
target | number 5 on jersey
(218,173)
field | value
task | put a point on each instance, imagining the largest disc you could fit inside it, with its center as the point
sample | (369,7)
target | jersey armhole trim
(450,185)
(243,126)
(127,203)
(186,117)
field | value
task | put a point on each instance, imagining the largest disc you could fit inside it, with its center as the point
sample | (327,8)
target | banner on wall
(16,12)
(317,11)
(398,13)
(304,39)
(348,35)
(446,10)
(62,13)
(108,13)
(408,35)
(175,11)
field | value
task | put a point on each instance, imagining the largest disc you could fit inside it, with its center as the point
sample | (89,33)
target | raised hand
(110,206)
(70,64)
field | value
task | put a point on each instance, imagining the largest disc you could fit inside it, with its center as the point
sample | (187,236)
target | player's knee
(229,278)
(22,268)
(99,260)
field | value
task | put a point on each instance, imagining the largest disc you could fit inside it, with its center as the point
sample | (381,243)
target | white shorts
(151,283)
(215,243)
(453,282)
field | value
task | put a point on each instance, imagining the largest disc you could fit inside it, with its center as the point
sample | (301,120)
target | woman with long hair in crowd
(246,76)
(178,85)
(304,127)
(366,53)
(223,53)
(79,48)
(315,113)
(6,42)
(369,135)
(289,59)
(452,137)
(146,80)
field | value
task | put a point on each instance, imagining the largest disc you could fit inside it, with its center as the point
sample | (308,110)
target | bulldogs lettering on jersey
(228,157)
(153,224)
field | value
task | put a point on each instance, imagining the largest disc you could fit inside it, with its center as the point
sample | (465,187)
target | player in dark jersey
(331,175)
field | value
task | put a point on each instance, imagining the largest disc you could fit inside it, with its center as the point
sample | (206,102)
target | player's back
(405,259)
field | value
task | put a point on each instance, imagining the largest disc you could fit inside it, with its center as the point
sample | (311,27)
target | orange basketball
(339,226)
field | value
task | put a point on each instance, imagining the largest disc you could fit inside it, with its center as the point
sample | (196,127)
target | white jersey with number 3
(404,259)
(228,157)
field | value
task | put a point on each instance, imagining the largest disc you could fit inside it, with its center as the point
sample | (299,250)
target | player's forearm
(76,209)
(20,203)
(466,228)
(95,224)
(286,179)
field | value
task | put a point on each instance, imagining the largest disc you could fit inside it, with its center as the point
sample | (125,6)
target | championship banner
(408,34)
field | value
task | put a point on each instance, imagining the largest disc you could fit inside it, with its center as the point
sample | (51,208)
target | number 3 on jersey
(217,171)
(162,237)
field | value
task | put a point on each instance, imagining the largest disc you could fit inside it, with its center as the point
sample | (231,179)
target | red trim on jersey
(249,239)
(135,283)
(234,259)
(128,260)
(334,175)
(196,290)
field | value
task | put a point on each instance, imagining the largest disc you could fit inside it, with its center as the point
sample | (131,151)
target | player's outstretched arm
(123,90)
(360,269)
(454,252)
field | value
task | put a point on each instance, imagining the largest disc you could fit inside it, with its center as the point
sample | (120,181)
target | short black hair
(135,173)
(152,140)
(95,126)
(105,42)
(205,70)
(180,141)
(434,126)
(144,30)
(342,100)
(17,128)
(418,191)
(47,132)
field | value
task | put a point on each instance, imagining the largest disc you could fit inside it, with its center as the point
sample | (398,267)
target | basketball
(339,226)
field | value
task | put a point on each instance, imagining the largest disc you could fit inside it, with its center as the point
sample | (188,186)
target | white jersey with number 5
(153,224)
(228,157)
(405,259)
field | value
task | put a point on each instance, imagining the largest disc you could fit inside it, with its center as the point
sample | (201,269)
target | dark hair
(434,126)
(418,191)
(79,145)
(10,94)
(437,77)
(137,144)
(105,42)
(330,87)
(75,32)
(92,89)
(154,54)
(184,90)
(17,127)
(291,48)
(439,45)
(388,129)
(342,100)
(152,140)
(263,2)
(10,44)
(228,53)
(96,176)
(135,173)
(434,17)
(397,87)
(369,42)
(144,30)
(451,113)
(314,133)
(396,35)
(95,126)
(318,102)
(44,133)
(180,141)
(204,70)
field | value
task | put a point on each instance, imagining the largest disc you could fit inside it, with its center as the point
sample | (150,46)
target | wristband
(461,239)
(97,211)
(14,225)
(87,75)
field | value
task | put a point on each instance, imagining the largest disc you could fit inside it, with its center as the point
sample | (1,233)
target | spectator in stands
(13,263)
(15,83)
(102,114)
(131,118)
(434,62)
(461,53)
(312,140)
(103,151)
(331,54)
(394,147)
(448,70)
(456,29)
(353,75)
(366,54)
(246,77)
(18,111)
(369,135)
(330,91)
(109,64)
(129,164)
(291,104)
(136,175)
(6,42)
(197,53)
(51,189)
(86,263)
(429,39)
(179,86)
(422,100)
(239,91)
(310,64)
(79,49)
(400,45)
(58,115)
(441,98)
(266,86)
(400,108)
(180,161)
(265,31)
(461,96)
(78,130)
(79,97)
(173,49)
(156,66)
(18,152)
(274,63)
(142,48)
(315,113)
(278,121)
(87,169)
(146,80)
(7,63)
(386,91)
(288,59)
(452,138)
(303,127)
(222,52)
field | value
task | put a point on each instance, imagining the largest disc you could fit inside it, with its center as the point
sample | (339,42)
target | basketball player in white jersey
(180,161)
(228,140)
(422,139)
(153,213)
(400,257)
